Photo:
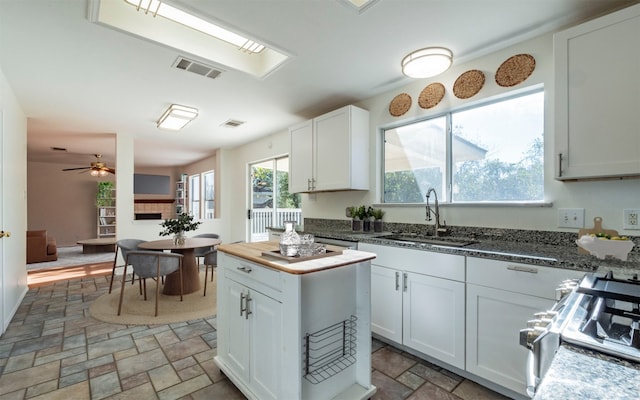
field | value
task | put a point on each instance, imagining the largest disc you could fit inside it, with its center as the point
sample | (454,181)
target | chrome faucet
(438,227)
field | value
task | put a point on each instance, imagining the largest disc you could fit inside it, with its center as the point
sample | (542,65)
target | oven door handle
(530,375)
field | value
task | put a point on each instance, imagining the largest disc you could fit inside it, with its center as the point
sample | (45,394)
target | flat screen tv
(151,184)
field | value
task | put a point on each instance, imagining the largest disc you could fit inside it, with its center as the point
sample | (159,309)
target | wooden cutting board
(597,228)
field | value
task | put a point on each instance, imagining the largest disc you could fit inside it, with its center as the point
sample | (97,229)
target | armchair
(41,247)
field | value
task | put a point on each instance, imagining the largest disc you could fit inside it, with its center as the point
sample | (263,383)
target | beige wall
(62,202)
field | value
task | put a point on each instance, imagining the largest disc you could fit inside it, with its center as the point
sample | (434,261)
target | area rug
(137,311)
(70,256)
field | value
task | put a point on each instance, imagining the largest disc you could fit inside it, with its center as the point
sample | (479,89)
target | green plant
(104,197)
(377,214)
(184,223)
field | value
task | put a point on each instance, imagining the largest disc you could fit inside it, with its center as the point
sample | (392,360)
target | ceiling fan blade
(110,170)
(75,169)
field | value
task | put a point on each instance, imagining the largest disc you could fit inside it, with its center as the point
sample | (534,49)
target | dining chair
(201,251)
(125,246)
(152,264)
(210,260)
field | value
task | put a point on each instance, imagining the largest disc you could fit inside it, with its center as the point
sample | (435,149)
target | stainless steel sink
(432,240)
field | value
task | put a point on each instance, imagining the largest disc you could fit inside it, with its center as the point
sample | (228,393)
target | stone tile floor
(54,350)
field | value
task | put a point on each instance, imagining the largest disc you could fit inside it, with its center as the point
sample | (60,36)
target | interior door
(270,201)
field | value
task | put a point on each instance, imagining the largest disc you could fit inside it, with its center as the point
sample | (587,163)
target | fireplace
(151,215)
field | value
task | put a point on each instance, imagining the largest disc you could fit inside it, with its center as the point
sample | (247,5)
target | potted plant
(104,197)
(356,223)
(367,213)
(178,226)
(377,215)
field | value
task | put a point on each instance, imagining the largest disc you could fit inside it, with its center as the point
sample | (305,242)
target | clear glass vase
(289,240)
(179,239)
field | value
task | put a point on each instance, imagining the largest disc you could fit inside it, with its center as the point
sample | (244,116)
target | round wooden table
(190,270)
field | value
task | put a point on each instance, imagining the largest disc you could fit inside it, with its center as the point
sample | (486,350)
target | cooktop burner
(608,316)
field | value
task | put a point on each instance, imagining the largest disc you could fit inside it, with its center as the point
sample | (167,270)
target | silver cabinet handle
(244,269)
(559,164)
(404,282)
(397,281)
(246,310)
(522,269)
(242,307)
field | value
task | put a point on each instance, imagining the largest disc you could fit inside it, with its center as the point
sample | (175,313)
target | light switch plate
(631,218)
(571,217)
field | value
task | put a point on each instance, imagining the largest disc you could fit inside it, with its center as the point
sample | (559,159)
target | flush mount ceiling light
(427,62)
(177,117)
(179,28)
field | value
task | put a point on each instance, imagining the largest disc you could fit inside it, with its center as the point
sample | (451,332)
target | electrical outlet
(571,217)
(631,218)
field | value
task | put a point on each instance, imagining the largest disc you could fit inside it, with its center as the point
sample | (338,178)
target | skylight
(158,8)
(188,33)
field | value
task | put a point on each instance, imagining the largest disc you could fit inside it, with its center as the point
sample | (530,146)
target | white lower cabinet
(254,335)
(418,300)
(501,298)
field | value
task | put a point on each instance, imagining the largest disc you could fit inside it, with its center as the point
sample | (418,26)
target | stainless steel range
(600,312)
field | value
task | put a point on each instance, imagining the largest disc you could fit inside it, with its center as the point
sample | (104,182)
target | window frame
(202,195)
(448,173)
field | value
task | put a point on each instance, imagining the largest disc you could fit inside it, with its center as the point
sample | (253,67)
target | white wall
(599,198)
(13,168)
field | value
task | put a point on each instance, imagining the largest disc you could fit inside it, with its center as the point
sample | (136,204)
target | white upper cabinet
(330,152)
(597,97)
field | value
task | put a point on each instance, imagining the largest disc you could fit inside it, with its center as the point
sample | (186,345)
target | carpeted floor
(70,256)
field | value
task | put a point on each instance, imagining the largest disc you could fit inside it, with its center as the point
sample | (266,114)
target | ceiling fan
(97,168)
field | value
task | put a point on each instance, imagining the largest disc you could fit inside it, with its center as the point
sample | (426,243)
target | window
(202,195)
(488,153)
(194,196)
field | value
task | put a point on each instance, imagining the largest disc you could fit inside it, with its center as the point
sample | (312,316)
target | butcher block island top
(256,252)
(294,329)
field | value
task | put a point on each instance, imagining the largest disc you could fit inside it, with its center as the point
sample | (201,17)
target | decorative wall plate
(515,70)
(400,104)
(468,84)
(431,95)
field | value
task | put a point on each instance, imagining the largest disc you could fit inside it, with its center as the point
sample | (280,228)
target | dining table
(190,267)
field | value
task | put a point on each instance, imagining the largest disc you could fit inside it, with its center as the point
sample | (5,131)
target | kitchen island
(291,329)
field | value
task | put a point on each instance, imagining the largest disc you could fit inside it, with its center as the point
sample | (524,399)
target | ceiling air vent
(232,123)
(197,68)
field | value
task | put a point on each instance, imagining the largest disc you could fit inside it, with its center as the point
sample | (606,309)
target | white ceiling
(79,82)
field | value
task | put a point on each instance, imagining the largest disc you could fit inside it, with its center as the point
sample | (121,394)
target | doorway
(270,201)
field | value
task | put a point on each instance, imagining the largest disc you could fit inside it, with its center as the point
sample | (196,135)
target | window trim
(537,88)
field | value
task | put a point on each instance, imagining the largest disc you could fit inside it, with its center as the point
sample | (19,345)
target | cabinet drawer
(440,265)
(529,279)
(250,274)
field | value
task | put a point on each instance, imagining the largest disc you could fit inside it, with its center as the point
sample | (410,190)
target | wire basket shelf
(329,351)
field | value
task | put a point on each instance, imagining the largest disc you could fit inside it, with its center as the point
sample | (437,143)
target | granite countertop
(255,252)
(528,252)
(578,373)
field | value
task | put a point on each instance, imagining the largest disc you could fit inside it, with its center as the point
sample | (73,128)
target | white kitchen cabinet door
(237,349)
(300,157)
(494,320)
(434,317)
(266,345)
(597,105)
(342,149)
(386,303)
(330,152)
